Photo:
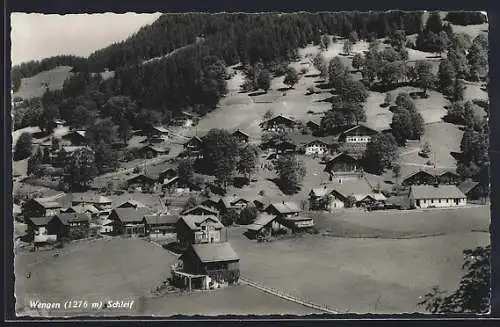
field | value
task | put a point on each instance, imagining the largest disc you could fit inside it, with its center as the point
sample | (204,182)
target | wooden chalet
(436,196)
(151,151)
(420,177)
(343,165)
(264,225)
(260,202)
(129,221)
(185,119)
(193,146)
(194,229)
(41,207)
(448,177)
(43,229)
(297,223)
(242,137)
(86,209)
(283,209)
(278,123)
(201,210)
(205,265)
(71,223)
(158,131)
(317,148)
(471,189)
(360,133)
(141,182)
(365,200)
(160,225)
(324,198)
(98,201)
(232,202)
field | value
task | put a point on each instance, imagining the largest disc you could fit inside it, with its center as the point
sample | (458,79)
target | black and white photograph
(250,164)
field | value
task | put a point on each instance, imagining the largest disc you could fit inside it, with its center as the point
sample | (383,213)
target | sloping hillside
(34,86)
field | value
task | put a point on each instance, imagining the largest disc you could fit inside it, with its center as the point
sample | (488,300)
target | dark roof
(340,156)
(40,221)
(280,117)
(131,214)
(194,138)
(436,192)
(161,220)
(215,252)
(368,129)
(467,186)
(70,217)
(263,219)
(418,172)
(154,171)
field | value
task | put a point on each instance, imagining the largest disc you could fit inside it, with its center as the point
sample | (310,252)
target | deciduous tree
(425,77)
(80,169)
(290,173)
(23,146)
(381,152)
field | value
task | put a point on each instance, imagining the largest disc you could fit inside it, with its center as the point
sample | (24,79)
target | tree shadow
(457,155)
(320,81)
(329,99)
(383,88)
(323,86)
(282,89)
(283,189)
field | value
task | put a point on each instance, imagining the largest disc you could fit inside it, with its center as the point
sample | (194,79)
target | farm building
(314,124)
(72,223)
(204,265)
(41,207)
(98,201)
(107,227)
(278,123)
(213,203)
(170,183)
(232,202)
(357,134)
(86,209)
(131,204)
(242,137)
(42,229)
(260,202)
(193,146)
(297,223)
(76,138)
(263,225)
(201,210)
(437,196)
(141,182)
(343,165)
(283,209)
(284,147)
(160,225)
(448,177)
(420,177)
(325,199)
(151,151)
(128,220)
(363,200)
(192,229)
(158,131)
(471,189)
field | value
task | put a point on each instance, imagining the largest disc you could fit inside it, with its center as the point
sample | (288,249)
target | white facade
(358,139)
(439,203)
(335,204)
(316,148)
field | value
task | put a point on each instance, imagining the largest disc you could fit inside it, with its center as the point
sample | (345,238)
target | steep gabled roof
(161,220)
(285,207)
(127,215)
(467,186)
(134,203)
(67,218)
(319,191)
(194,221)
(189,211)
(40,221)
(263,219)
(215,252)
(48,203)
(436,192)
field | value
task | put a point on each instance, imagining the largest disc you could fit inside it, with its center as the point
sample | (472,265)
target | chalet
(264,224)
(283,209)
(107,227)
(205,265)
(192,229)
(325,199)
(437,196)
(260,202)
(131,204)
(420,177)
(72,223)
(58,123)
(314,124)
(343,165)
(297,223)
(232,202)
(98,201)
(448,177)
(158,131)
(41,207)
(76,137)
(317,148)
(360,133)
(86,209)
(364,200)
(43,229)
(185,119)
(201,210)
(128,220)
(171,184)
(401,202)
(278,123)
(284,147)
(471,189)
(160,225)
(151,151)
(194,145)
(212,203)
(141,182)
(242,137)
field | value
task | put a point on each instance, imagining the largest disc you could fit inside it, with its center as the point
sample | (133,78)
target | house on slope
(420,177)
(283,209)
(152,151)
(232,202)
(86,209)
(471,189)
(203,266)
(194,229)
(128,221)
(436,196)
(201,210)
(131,204)
(160,225)
(73,225)
(342,166)
(41,207)
(317,148)
(278,123)
(366,200)
(260,202)
(448,177)
(360,133)
(194,146)
(242,137)
(43,229)
(158,132)
(184,119)
(324,198)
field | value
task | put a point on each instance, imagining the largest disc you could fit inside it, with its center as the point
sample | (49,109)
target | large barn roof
(215,252)
(436,192)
